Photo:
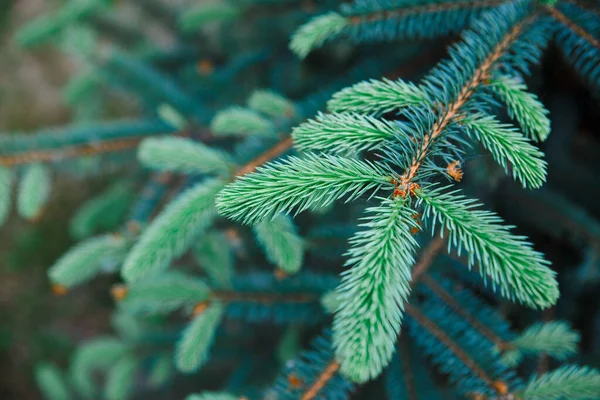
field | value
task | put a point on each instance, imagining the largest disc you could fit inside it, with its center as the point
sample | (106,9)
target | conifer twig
(409,378)
(439,290)
(427,257)
(321,381)
(453,110)
(439,334)
(264,298)
(425,8)
(273,152)
(577,29)
(88,149)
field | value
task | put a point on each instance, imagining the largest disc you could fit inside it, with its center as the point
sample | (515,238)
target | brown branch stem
(578,30)
(453,110)
(423,9)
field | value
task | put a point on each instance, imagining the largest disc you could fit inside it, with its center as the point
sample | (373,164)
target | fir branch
(281,243)
(523,106)
(567,382)
(183,155)
(520,272)
(297,184)
(377,97)
(344,132)
(173,231)
(508,146)
(192,350)
(373,290)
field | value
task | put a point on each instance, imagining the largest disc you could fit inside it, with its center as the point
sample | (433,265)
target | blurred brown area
(36,325)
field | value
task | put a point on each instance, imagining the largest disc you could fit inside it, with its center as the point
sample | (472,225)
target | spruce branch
(577,29)
(196,17)
(453,110)
(507,145)
(121,378)
(51,382)
(437,332)
(215,256)
(377,97)
(172,231)
(297,184)
(344,132)
(281,147)
(241,121)
(214,396)
(94,355)
(316,32)
(33,191)
(86,259)
(164,293)
(6,183)
(183,155)
(567,382)
(192,350)
(370,21)
(523,106)
(314,390)
(508,261)
(281,243)
(555,339)
(271,104)
(478,325)
(373,290)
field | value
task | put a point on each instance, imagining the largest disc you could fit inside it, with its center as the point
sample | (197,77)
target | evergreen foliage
(256,163)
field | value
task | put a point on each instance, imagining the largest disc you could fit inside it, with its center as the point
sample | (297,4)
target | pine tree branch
(578,30)
(439,290)
(453,110)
